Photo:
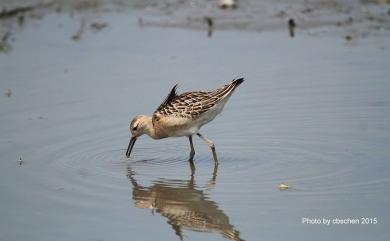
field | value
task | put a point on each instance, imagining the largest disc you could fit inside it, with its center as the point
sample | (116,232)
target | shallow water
(314,113)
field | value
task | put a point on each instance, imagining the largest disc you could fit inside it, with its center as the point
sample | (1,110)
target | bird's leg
(213,180)
(192,152)
(192,166)
(211,145)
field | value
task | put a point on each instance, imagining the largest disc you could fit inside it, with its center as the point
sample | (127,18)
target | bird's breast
(172,126)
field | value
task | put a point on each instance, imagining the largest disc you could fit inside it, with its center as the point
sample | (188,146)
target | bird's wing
(170,97)
(191,105)
(188,105)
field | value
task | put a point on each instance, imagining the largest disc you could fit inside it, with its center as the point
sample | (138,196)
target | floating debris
(5,46)
(210,24)
(8,93)
(227,4)
(79,33)
(348,38)
(98,26)
(283,186)
(20,161)
(291,27)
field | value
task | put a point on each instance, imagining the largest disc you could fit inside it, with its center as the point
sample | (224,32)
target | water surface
(314,113)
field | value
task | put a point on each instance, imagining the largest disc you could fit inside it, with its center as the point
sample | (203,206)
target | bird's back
(184,114)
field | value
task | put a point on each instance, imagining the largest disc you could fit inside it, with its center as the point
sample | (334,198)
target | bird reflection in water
(185,205)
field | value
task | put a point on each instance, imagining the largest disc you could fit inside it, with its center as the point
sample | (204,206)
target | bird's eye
(134,128)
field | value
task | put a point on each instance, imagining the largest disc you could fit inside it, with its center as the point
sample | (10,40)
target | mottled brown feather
(191,105)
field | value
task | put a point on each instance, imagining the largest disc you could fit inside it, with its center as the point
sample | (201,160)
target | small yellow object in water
(283,186)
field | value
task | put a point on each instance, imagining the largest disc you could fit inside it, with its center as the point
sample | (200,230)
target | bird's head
(138,126)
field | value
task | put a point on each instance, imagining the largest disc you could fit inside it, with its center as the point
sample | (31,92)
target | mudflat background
(313,113)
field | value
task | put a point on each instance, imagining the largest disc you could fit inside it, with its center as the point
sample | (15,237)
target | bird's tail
(228,89)
(236,82)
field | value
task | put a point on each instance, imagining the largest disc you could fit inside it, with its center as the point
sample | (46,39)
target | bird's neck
(150,130)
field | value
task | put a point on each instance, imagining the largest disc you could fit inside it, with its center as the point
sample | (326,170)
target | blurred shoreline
(348,17)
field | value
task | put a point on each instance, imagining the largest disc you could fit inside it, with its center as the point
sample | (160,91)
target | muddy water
(314,113)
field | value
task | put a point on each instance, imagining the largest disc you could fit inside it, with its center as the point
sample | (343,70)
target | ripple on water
(317,147)
(309,159)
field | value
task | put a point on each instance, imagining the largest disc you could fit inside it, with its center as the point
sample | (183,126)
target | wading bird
(183,115)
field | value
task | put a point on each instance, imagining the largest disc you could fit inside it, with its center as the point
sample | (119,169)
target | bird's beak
(131,144)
